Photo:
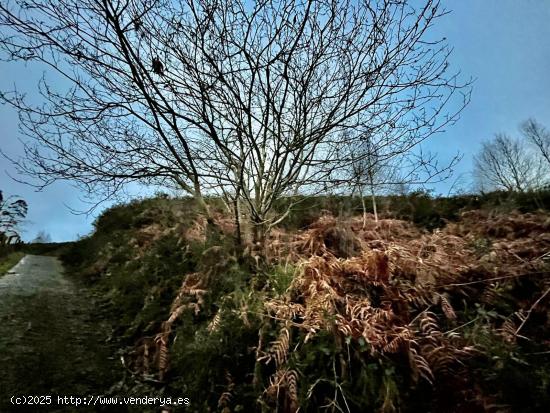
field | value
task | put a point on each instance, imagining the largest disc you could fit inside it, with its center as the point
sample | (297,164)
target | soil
(52,339)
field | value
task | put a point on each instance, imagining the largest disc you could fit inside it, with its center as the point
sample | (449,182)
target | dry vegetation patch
(346,314)
(405,293)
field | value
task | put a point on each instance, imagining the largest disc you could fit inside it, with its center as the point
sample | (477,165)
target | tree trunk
(374,208)
(213,232)
(259,233)
(364,205)
(259,239)
(238,234)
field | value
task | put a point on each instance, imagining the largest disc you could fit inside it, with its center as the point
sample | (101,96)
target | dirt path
(51,340)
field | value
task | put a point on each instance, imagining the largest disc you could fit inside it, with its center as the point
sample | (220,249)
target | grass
(8,261)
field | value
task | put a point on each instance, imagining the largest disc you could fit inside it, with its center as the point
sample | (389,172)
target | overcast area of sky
(503,44)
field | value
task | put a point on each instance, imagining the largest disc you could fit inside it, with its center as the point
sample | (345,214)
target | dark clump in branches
(158,67)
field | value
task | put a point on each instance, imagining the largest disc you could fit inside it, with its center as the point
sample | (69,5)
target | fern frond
(420,366)
(215,322)
(279,348)
(447,307)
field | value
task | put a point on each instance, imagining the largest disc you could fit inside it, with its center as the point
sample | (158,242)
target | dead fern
(161,341)
(283,388)
(447,308)
(214,325)
(279,348)
(226,397)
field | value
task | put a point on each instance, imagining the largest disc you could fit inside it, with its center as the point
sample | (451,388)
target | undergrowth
(8,260)
(341,316)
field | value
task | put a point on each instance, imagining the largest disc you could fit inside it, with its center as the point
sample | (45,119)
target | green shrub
(9,260)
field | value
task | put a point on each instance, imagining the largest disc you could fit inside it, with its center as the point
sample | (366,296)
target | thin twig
(531,309)
(490,279)
(462,325)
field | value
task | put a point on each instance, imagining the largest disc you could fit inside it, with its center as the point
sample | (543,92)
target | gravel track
(52,341)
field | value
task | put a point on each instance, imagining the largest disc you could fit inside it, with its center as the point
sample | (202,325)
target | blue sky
(503,44)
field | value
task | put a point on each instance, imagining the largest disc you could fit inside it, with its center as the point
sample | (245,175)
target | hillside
(449,314)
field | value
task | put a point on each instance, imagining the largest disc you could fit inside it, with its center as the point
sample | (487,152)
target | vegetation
(12,211)
(262,290)
(387,316)
(8,260)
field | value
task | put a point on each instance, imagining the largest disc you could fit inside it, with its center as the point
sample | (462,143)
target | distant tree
(504,163)
(42,237)
(366,176)
(539,137)
(369,173)
(381,165)
(248,100)
(12,211)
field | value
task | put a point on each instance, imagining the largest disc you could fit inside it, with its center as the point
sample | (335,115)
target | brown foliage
(396,291)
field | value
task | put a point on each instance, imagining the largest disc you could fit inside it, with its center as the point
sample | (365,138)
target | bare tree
(508,164)
(378,166)
(42,237)
(247,100)
(538,136)
(367,173)
(12,211)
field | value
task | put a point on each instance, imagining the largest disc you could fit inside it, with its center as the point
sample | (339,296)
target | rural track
(52,341)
